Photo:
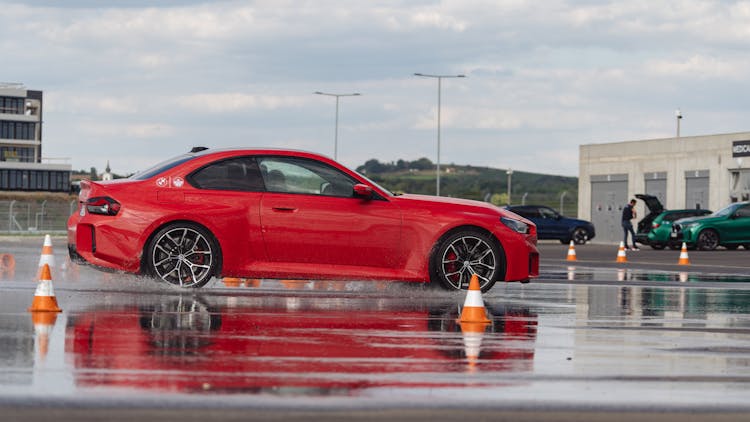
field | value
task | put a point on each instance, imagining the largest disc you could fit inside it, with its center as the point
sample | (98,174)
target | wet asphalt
(591,339)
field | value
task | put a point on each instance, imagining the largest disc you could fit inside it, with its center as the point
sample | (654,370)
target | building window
(12,105)
(56,181)
(17,154)
(17,130)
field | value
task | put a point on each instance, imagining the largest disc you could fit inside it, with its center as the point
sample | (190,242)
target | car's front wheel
(708,240)
(580,236)
(183,254)
(463,254)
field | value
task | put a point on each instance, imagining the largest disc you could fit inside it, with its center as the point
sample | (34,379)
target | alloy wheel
(465,256)
(182,256)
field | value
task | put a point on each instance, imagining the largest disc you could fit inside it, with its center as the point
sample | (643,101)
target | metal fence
(43,216)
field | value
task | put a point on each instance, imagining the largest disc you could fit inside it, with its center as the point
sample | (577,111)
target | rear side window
(674,216)
(238,174)
(162,167)
(526,212)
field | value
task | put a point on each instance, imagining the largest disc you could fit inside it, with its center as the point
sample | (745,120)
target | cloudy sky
(132,83)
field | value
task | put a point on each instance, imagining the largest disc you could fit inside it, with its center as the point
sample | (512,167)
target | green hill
(479,183)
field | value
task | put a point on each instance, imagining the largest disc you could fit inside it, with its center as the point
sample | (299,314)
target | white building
(21,164)
(685,172)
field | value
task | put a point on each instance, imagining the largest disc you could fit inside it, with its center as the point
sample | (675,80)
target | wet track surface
(590,338)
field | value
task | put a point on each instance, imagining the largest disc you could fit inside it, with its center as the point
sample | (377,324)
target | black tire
(463,253)
(746,246)
(657,246)
(707,240)
(675,246)
(180,326)
(183,254)
(732,247)
(580,236)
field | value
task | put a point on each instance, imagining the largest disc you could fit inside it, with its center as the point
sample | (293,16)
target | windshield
(162,167)
(726,211)
(375,184)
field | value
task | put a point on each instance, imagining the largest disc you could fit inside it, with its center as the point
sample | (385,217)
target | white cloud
(183,71)
(700,67)
(231,102)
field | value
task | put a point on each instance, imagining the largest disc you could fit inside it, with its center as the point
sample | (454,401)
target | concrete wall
(675,156)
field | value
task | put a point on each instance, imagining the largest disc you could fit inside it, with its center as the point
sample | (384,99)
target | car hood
(704,219)
(478,206)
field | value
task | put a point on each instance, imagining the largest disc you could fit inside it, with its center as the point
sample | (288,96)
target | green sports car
(661,228)
(728,227)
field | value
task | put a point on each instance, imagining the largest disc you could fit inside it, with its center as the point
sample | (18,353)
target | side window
(547,213)
(239,174)
(743,212)
(298,175)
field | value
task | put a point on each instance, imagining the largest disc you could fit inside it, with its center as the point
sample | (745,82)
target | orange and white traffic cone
(44,297)
(473,333)
(474,310)
(43,322)
(47,256)
(231,281)
(621,257)
(684,260)
(252,282)
(572,252)
(7,266)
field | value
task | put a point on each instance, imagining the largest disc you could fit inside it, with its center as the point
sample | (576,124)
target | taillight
(655,225)
(102,205)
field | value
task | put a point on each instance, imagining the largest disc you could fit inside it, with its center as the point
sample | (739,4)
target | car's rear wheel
(708,240)
(463,254)
(183,254)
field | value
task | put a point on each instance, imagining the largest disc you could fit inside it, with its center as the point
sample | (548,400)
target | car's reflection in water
(300,345)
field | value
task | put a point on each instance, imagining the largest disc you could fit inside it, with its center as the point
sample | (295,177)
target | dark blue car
(552,225)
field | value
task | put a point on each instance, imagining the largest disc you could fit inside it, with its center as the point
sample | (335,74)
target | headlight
(515,225)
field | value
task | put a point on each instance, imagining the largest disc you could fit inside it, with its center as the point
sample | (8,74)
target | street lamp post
(440,79)
(509,173)
(336,130)
(678,115)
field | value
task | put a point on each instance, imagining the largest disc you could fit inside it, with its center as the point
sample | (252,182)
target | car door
(737,228)
(553,223)
(309,215)
(234,188)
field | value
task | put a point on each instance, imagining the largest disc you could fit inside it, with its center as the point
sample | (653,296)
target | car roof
(254,150)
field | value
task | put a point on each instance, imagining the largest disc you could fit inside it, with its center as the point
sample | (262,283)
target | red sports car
(266,213)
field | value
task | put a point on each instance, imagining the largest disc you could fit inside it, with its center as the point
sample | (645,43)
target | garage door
(609,194)
(656,184)
(696,189)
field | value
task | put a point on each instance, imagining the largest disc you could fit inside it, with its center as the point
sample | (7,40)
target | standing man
(628,213)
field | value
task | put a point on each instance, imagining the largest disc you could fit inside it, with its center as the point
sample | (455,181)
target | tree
(499,199)
(421,164)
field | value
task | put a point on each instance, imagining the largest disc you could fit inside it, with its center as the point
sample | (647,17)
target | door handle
(284,209)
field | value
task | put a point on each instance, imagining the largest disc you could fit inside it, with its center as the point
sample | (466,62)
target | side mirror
(362,191)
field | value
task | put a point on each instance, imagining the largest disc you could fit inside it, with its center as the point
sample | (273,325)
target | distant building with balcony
(21,164)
